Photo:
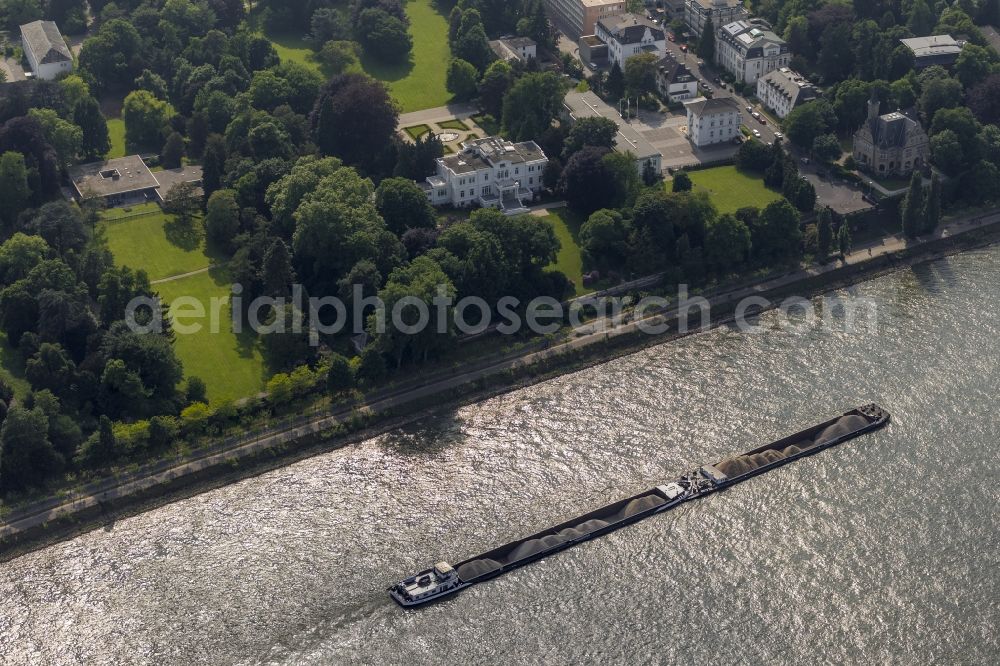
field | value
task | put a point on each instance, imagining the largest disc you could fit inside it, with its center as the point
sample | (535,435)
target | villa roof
(630,28)
(702,105)
(45,42)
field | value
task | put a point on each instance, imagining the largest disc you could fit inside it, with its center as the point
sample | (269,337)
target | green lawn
(417,131)
(569,260)
(488,124)
(420,82)
(454,124)
(730,189)
(116,132)
(295,49)
(230,364)
(155,242)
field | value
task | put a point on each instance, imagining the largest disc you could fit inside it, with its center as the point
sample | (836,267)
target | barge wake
(444,579)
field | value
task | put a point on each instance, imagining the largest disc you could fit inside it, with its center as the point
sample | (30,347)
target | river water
(882,550)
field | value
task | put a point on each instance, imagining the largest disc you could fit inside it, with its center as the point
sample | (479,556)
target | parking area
(843,197)
(668,134)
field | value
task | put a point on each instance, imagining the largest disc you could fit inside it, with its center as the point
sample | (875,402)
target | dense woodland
(306,182)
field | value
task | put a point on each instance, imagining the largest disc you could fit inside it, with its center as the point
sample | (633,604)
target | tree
(279,276)
(984,99)
(495,83)
(152,83)
(27,458)
(706,45)
(824,234)
(99,449)
(338,56)
(974,64)
(371,369)
(88,117)
(172,155)
(64,136)
(462,79)
(938,93)
(844,240)
(624,178)
(403,205)
(113,57)
(355,119)
(340,376)
(826,148)
(920,19)
(932,208)
(775,235)
(383,36)
(145,118)
(531,105)
(947,153)
(604,240)
(615,85)
(584,181)
(596,131)
(913,206)
(14,185)
(682,182)
(640,75)
(727,244)
(808,121)
(60,225)
(183,202)
(213,164)
(222,220)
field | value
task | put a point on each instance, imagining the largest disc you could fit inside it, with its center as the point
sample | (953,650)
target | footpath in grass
(231,365)
(155,242)
(116,132)
(730,189)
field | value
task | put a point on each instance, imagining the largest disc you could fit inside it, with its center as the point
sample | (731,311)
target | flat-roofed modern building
(628,140)
(46,50)
(491,172)
(934,50)
(697,13)
(577,18)
(127,180)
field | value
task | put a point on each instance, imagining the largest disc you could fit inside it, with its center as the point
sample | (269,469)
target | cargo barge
(443,579)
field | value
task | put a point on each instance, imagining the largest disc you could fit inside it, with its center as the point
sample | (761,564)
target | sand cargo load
(443,578)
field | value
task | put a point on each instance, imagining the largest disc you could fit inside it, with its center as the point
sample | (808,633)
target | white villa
(750,49)
(629,35)
(712,121)
(45,49)
(490,172)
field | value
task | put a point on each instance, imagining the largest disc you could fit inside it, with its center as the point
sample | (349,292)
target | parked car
(684,48)
(762,119)
(756,132)
(756,116)
(779,135)
(592,66)
(804,160)
(749,109)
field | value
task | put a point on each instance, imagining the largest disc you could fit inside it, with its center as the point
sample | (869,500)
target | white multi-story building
(674,81)
(697,13)
(782,90)
(629,35)
(490,172)
(46,50)
(712,121)
(749,49)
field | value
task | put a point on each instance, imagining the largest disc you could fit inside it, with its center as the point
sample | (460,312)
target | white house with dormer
(629,35)
(491,173)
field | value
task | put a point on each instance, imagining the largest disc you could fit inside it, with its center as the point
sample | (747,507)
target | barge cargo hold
(443,579)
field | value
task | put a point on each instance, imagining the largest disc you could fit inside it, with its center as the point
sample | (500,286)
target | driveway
(437,114)
(12,69)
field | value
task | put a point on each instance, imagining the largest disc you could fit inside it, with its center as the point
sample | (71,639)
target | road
(438,114)
(707,72)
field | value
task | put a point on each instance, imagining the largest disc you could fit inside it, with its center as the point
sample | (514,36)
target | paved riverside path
(600,331)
